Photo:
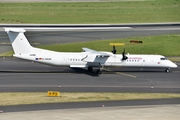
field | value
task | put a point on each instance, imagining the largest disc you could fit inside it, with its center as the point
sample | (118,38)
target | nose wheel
(167,70)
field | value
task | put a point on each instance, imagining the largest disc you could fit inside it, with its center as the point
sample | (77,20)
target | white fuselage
(73,59)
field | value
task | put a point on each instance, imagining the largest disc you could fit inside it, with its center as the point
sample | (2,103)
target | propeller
(124,57)
(114,50)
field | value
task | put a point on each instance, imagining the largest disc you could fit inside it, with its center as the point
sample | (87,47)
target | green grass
(17,98)
(176,59)
(9,53)
(91,12)
(167,45)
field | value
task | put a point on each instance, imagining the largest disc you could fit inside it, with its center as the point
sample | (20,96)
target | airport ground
(155,112)
(23,76)
(119,80)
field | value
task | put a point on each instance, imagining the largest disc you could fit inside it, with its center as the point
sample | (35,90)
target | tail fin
(19,41)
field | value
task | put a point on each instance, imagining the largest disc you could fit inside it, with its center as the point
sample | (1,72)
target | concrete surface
(164,112)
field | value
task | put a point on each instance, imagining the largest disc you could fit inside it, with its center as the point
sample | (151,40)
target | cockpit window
(163,58)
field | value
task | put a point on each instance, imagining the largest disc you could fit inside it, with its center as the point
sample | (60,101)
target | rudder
(19,42)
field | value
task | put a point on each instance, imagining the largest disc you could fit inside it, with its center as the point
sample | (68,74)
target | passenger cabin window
(163,58)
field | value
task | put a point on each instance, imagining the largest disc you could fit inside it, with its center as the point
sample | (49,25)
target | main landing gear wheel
(90,69)
(167,70)
(98,72)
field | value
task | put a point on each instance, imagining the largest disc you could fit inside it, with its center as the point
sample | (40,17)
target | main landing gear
(98,71)
(90,69)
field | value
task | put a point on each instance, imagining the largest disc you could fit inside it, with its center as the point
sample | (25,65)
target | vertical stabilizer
(19,41)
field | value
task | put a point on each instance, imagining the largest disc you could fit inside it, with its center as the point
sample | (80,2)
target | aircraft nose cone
(173,65)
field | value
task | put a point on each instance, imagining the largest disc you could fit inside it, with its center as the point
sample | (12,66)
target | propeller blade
(124,57)
(114,50)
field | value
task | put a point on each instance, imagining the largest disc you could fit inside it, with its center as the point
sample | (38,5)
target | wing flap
(78,66)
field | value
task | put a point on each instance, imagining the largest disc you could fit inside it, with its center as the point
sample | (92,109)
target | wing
(95,56)
(97,53)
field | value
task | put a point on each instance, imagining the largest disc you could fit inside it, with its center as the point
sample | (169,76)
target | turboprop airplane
(87,59)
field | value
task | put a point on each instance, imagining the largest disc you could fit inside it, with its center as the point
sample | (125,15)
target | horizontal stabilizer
(19,30)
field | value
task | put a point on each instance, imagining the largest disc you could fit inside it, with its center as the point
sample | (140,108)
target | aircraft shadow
(72,70)
(83,71)
(138,70)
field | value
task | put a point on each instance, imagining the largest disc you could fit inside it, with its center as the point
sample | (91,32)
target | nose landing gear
(167,70)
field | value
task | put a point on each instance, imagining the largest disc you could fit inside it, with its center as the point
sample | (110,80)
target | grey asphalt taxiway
(25,76)
(155,112)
